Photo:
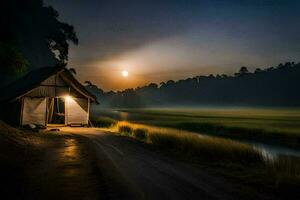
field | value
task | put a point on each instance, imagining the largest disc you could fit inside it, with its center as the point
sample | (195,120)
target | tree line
(273,86)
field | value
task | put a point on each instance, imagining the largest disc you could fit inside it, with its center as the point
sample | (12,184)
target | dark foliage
(31,36)
(273,86)
(140,133)
(12,61)
(127,130)
(103,122)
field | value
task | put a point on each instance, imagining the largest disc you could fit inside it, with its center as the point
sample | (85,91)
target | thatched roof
(34,78)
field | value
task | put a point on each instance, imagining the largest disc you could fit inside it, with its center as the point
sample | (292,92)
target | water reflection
(269,152)
(267,155)
(272,152)
(70,149)
(70,158)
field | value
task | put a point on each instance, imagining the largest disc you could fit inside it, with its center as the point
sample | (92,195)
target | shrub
(103,122)
(127,130)
(140,133)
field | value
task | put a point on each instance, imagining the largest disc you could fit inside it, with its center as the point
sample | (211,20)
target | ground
(88,163)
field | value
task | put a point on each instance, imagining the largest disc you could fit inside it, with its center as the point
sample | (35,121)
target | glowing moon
(124,73)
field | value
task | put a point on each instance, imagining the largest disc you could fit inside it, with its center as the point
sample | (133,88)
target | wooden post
(21,112)
(88,112)
(47,110)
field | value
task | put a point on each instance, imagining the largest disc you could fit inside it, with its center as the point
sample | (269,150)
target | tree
(243,71)
(170,82)
(89,83)
(98,92)
(258,70)
(35,33)
(72,70)
(280,65)
(288,64)
(162,84)
(153,85)
(12,61)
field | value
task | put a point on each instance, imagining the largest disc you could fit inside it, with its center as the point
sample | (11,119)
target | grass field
(271,126)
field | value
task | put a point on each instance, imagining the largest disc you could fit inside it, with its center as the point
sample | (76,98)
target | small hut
(49,95)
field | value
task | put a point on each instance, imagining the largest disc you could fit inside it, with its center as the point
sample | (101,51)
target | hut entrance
(56,111)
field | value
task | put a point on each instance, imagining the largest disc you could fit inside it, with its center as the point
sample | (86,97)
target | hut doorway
(56,111)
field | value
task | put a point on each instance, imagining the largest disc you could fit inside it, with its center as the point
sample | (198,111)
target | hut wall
(77,111)
(34,111)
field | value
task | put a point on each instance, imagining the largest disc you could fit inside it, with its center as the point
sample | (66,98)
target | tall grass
(205,148)
(140,133)
(126,130)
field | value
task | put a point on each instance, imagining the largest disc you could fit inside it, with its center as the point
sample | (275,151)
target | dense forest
(273,86)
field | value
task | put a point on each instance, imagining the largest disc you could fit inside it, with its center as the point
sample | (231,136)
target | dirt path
(130,170)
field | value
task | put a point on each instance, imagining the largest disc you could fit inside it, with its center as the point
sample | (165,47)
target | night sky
(158,40)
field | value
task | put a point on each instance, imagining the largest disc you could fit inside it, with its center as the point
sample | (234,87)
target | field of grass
(271,126)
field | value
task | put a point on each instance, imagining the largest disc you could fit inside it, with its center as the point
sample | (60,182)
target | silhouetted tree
(288,64)
(243,70)
(12,61)
(153,85)
(89,83)
(162,84)
(258,70)
(32,34)
(280,65)
(170,82)
(72,70)
(98,92)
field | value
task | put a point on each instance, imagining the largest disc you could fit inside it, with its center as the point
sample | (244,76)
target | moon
(125,73)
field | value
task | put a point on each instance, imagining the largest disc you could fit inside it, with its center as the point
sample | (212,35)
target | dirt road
(128,169)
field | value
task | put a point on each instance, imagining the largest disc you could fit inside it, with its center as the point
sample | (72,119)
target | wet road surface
(128,169)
